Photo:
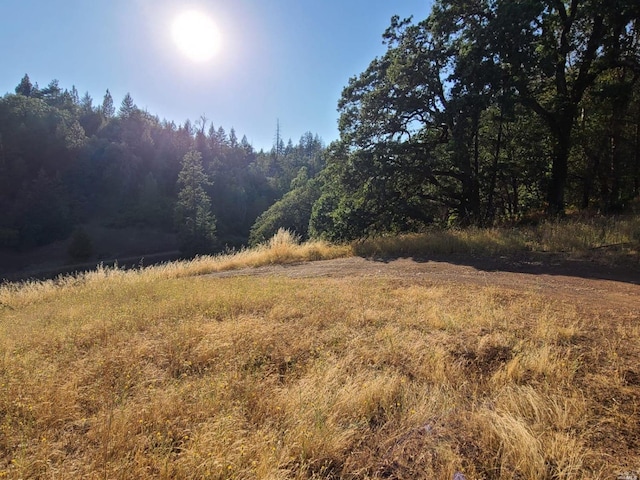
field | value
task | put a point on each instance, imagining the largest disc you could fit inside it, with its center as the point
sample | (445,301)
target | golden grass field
(168,373)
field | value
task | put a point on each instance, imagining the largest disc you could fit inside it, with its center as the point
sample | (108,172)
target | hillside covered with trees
(483,112)
(66,162)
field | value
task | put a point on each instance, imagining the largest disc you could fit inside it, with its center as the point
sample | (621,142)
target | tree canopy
(65,163)
(474,114)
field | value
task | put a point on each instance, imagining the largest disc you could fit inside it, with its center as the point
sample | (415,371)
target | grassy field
(166,373)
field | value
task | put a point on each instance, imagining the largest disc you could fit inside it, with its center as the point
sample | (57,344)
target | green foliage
(472,114)
(108,110)
(195,223)
(127,107)
(65,162)
(152,207)
(366,192)
(44,213)
(25,87)
(292,212)
(454,125)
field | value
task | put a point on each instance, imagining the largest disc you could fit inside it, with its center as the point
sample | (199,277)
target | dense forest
(65,162)
(486,111)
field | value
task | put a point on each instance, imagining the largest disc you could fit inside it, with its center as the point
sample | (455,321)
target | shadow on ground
(556,264)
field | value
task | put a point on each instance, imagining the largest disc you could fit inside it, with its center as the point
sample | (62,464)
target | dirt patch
(603,287)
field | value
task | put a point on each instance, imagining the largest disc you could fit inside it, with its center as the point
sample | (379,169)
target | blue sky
(280,59)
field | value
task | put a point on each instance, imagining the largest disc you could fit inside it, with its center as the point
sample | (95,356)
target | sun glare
(196,35)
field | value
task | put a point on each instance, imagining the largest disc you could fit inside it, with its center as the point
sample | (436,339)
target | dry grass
(617,239)
(160,373)
(283,248)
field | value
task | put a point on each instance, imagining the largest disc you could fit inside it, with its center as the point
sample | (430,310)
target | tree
(63,163)
(278,142)
(45,214)
(90,118)
(127,107)
(74,136)
(605,136)
(86,103)
(552,52)
(108,110)
(195,222)
(25,87)
(427,131)
(233,138)
(80,246)
(152,206)
(246,146)
(52,94)
(409,128)
(74,96)
(292,212)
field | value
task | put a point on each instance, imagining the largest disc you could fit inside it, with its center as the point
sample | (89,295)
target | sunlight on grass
(283,248)
(167,373)
(615,238)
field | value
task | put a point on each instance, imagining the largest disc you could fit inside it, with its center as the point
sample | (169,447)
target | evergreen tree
(292,212)
(25,87)
(52,94)
(246,146)
(86,103)
(195,222)
(74,95)
(127,107)
(108,110)
(233,138)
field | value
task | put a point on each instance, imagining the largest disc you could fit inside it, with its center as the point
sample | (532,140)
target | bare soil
(601,287)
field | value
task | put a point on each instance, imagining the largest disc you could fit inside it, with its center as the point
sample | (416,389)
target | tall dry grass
(282,248)
(161,373)
(616,239)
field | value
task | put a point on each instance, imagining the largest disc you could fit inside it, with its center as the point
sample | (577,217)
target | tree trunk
(490,215)
(469,194)
(636,172)
(516,197)
(559,167)
(475,185)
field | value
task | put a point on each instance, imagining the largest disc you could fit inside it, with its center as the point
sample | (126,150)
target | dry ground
(503,368)
(608,294)
(607,288)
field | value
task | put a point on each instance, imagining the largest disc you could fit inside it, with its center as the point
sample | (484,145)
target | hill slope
(347,368)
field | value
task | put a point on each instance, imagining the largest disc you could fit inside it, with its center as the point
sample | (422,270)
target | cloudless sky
(280,59)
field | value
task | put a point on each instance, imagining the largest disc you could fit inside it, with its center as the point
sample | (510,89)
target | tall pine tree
(108,110)
(25,87)
(127,107)
(194,220)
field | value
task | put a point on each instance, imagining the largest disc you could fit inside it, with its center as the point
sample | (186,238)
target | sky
(283,61)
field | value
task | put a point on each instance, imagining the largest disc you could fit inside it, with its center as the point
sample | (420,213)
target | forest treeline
(65,162)
(485,111)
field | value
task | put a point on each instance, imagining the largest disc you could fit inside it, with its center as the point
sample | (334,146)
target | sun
(196,35)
